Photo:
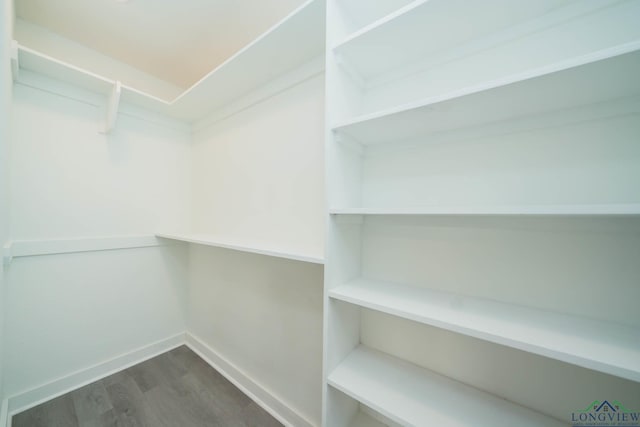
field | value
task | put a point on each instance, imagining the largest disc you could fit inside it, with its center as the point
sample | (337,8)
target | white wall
(258,177)
(6,18)
(68,180)
(263,315)
(68,312)
(38,38)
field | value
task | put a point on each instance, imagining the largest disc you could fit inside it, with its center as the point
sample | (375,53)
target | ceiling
(178,41)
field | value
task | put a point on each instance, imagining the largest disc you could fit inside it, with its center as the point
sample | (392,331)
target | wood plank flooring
(175,389)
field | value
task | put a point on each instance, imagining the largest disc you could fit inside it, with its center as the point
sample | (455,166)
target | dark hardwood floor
(175,389)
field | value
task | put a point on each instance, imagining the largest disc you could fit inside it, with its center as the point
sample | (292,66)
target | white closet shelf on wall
(243,246)
(397,39)
(411,395)
(602,346)
(516,210)
(294,41)
(575,82)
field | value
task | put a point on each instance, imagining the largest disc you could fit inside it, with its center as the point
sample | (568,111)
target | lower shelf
(218,242)
(606,347)
(414,396)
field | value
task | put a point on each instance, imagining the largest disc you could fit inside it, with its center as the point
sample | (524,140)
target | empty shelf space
(427,27)
(361,13)
(410,395)
(574,83)
(363,419)
(226,243)
(524,210)
(607,347)
(293,42)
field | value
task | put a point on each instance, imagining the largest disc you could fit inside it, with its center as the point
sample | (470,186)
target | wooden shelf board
(602,346)
(573,83)
(226,243)
(425,27)
(516,210)
(410,395)
(292,42)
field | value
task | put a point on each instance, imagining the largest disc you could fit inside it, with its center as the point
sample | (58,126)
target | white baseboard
(60,386)
(263,397)
(4,413)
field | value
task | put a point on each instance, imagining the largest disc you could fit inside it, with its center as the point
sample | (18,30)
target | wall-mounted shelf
(602,346)
(294,41)
(410,395)
(575,82)
(626,209)
(398,38)
(25,248)
(226,243)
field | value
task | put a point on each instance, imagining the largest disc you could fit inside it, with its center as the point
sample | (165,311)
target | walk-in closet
(331,213)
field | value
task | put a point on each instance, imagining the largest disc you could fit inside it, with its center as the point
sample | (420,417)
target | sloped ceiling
(178,41)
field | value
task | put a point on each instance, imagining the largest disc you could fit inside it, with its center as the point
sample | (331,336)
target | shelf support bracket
(112,107)
(15,60)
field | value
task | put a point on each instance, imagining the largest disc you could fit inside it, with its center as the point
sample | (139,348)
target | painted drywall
(68,180)
(263,315)
(6,18)
(258,175)
(85,308)
(52,44)
(68,312)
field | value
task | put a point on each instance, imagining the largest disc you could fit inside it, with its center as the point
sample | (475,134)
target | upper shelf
(425,27)
(236,245)
(602,346)
(294,41)
(598,77)
(521,210)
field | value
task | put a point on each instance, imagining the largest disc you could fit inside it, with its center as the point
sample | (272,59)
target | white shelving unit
(568,338)
(444,123)
(413,396)
(296,40)
(261,249)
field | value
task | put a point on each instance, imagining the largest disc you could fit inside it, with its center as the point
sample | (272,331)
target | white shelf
(426,27)
(605,347)
(413,396)
(296,40)
(573,83)
(32,60)
(226,243)
(516,210)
